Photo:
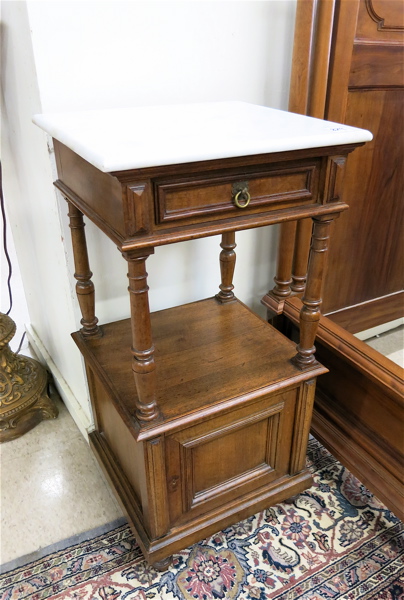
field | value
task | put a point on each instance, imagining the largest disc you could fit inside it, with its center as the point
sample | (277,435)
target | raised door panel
(366,256)
(367,90)
(228,457)
(256,456)
(374,66)
(383,19)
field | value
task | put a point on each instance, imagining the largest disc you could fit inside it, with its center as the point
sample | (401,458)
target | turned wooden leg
(84,285)
(275,298)
(310,313)
(143,365)
(227,264)
(301,257)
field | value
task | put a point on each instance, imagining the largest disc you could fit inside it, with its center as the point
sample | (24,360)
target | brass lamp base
(24,400)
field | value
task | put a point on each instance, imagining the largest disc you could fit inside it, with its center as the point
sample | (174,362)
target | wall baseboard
(79,416)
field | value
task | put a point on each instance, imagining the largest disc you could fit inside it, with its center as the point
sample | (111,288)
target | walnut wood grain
(364,87)
(320,58)
(201,414)
(301,255)
(191,199)
(227,265)
(359,409)
(380,16)
(143,365)
(373,231)
(307,96)
(84,286)
(302,57)
(380,67)
(275,298)
(310,312)
(304,410)
(111,194)
(156,507)
(215,364)
(366,315)
(293,251)
(174,485)
(189,533)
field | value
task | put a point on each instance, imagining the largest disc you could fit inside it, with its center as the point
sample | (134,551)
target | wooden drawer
(229,456)
(193,200)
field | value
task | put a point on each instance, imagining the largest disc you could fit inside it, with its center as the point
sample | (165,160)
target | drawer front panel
(229,456)
(213,198)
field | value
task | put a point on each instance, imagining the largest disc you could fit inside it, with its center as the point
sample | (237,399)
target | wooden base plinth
(232,436)
(273,303)
(181,537)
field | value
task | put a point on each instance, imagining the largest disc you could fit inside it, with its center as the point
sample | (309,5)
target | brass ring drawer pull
(241,195)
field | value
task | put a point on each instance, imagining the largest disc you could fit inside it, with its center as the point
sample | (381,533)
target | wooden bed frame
(359,408)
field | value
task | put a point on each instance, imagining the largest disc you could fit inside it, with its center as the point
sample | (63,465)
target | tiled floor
(51,486)
(391,344)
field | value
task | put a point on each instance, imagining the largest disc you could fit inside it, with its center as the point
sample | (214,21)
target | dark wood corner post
(84,285)
(227,265)
(143,364)
(291,272)
(310,313)
(301,255)
(275,298)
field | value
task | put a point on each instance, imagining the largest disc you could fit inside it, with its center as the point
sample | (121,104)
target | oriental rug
(335,541)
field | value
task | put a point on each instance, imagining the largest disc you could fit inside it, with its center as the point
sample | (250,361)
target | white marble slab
(130,138)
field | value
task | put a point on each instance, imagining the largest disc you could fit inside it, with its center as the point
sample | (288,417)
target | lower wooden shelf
(235,421)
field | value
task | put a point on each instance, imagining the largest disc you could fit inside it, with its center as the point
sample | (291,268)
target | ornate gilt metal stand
(24,400)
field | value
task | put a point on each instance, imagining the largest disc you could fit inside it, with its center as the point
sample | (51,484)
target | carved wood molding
(350,425)
(158,516)
(381,21)
(350,453)
(304,407)
(137,212)
(335,178)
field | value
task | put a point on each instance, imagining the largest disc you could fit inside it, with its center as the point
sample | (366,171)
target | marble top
(131,138)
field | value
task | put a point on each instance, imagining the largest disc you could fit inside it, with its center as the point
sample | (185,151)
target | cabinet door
(348,67)
(366,90)
(227,458)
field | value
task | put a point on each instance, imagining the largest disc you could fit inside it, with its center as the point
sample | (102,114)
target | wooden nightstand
(202,411)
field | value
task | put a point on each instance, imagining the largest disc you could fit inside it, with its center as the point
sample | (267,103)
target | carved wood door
(349,68)
(224,461)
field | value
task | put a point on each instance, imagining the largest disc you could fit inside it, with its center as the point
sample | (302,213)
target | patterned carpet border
(85,536)
(334,542)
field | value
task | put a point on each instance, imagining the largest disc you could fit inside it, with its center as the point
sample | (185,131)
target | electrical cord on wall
(10,266)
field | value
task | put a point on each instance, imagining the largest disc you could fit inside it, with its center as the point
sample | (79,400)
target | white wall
(33,211)
(79,55)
